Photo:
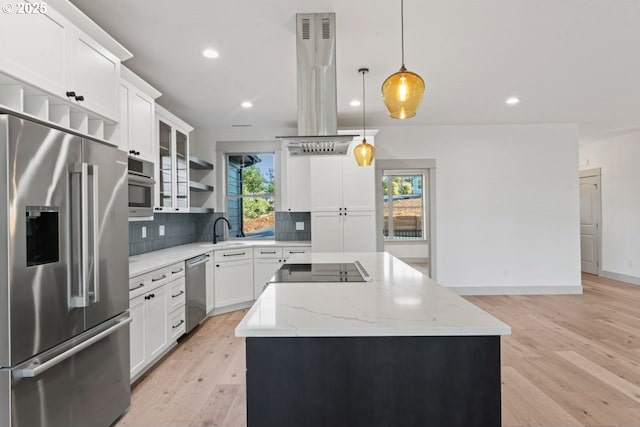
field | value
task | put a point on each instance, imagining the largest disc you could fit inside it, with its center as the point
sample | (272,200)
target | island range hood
(317,104)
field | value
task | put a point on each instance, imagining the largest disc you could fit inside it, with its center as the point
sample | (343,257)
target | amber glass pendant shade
(364,153)
(402,93)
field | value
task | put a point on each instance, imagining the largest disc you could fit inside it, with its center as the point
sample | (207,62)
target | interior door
(108,217)
(40,287)
(589,223)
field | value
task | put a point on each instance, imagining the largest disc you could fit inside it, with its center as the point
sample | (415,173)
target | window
(404,206)
(250,194)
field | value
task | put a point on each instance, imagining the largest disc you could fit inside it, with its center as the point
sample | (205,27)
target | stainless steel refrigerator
(64,335)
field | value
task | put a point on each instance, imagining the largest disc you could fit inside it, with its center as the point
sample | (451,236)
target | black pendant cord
(402,28)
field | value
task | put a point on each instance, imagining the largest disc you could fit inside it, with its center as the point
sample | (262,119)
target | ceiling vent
(317,99)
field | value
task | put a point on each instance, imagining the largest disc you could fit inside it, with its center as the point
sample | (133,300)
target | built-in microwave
(141,187)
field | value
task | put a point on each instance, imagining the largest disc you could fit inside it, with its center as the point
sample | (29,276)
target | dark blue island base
(431,381)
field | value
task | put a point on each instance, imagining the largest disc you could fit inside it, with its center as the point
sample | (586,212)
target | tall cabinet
(342,204)
(172,167)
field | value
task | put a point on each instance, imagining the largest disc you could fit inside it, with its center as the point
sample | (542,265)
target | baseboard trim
(621,277)
(518,290)
(230,308)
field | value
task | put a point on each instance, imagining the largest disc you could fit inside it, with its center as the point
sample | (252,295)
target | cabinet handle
(152,296)
(141,285)
(79,98)
(235,254)
(340,208)
(177,271)
(132,151)
(157,279)
(178,325)
(340,214)
(71,94)
(272,252)
(147,297)
(297,252)
(177,209)
(217,265)
(177,295)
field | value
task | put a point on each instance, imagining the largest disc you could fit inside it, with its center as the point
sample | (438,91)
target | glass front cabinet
(172,168)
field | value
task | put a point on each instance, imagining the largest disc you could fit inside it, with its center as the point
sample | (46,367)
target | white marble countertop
(144,263)
(398,301)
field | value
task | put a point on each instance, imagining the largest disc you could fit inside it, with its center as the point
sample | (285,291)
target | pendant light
(364,152)
(402,91)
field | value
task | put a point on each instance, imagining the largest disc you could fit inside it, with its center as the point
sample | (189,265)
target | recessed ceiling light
(355,103)
(210,53)
(512,100)
(246,104)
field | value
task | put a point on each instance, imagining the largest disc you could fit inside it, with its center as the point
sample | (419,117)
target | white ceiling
(571,61)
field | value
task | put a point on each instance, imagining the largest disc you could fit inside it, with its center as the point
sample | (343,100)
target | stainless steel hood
(317,105)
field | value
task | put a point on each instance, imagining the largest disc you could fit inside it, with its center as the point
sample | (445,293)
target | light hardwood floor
(570,361)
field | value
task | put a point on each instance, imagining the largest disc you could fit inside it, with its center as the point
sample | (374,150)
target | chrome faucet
(215,236)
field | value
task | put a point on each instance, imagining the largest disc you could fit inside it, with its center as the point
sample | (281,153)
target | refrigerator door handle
(80,300)
(94,295)
(33,370)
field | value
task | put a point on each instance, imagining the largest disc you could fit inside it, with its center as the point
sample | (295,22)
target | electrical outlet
(161,230)
(144,232)
(299,226)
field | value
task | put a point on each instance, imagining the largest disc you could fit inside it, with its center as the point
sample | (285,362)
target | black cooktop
(329,272)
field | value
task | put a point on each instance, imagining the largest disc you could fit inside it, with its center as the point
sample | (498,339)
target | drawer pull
(157,279)
(180,270)
(141,285)
(178,325)
(242,253)
(297,252)
(177,295)
(272,252)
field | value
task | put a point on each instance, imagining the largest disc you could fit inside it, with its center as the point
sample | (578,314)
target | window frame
(390,174)
(227,197)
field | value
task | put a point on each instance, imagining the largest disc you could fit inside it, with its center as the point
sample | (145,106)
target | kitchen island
(398,350)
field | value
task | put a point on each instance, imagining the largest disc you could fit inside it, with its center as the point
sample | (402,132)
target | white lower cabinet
(263,270)
(210,279)
(233,282)
(136,335)
(157,315)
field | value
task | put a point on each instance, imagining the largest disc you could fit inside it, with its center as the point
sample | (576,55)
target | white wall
(617,157)
(506,201)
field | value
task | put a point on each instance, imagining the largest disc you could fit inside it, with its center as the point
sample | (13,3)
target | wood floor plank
(609,378)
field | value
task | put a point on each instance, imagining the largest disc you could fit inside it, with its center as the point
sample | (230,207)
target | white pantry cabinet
(137,116)
(47,51)
(339,184)
(343,231)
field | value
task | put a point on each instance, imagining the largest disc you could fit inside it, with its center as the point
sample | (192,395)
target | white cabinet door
(233,282)
(326,183)
(34,48)
(137,335)
(94,73)
(156,322)
(123,130)
(298,182)
(326,232)
(359,232)
(210,280)
(263,270)
(141,123)
(358,185)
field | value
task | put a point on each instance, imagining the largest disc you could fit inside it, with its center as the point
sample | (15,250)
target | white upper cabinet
(35,49)
(93,74)
(137,116)
(338,184)
(50,53)
(298,184)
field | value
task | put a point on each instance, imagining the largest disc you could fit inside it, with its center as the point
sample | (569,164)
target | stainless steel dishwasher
(196,291)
